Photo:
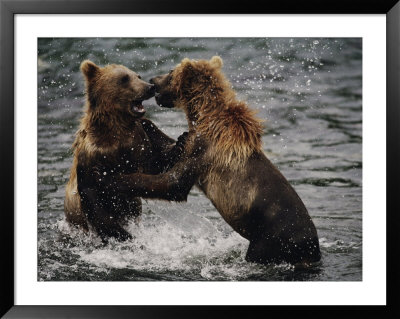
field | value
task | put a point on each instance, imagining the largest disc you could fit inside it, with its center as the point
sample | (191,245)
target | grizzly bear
(224,158)
(113,139)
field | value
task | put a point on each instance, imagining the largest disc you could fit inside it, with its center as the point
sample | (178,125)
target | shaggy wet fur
(223,156)
(113,139)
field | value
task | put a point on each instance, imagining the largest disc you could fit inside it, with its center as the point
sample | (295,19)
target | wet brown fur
(112,139)
(224,158)
(231,127)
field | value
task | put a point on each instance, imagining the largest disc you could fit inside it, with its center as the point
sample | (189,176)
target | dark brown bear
(113,139)
(224,158)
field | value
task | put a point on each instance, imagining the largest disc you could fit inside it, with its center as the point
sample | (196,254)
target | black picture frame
(8,9)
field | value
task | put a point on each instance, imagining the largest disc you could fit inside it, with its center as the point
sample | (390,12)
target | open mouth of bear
(137,107)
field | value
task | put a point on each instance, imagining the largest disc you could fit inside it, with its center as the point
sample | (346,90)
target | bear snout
(150,91)
(157,81)
(153,81)
(152,88)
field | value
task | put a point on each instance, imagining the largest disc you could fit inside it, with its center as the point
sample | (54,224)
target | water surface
(309,93)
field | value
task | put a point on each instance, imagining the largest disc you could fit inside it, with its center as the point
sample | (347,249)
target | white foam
(167,239)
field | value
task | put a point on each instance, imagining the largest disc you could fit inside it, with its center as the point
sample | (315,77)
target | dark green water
(309,93)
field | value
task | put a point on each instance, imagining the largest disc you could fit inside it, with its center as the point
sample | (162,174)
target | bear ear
(185,62)
(216,62)
(89,69)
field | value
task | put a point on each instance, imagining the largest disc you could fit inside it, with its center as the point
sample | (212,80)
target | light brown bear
(224,158)
(113,139)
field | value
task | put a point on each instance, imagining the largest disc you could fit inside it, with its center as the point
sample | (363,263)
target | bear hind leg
(105,225)
(261,252)
(277,250)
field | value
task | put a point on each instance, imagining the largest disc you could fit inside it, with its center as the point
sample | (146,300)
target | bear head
(192,83)
(115,88)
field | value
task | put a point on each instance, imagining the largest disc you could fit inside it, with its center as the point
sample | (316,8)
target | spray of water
(175,241)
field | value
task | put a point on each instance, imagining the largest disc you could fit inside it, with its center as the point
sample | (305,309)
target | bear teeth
(138,108)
